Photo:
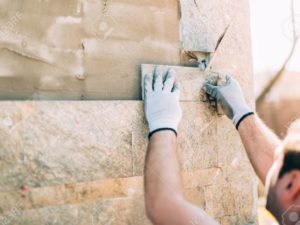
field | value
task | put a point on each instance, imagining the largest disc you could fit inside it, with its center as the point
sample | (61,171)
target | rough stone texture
(203,23)
(49,147)
(85,160)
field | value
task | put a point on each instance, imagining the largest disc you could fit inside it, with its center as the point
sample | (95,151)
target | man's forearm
(260,143)
(162,175)
(165,204)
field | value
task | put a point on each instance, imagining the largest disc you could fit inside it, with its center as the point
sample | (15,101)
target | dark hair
(291,162)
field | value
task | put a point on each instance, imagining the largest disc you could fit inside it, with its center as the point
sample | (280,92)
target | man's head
(283,182)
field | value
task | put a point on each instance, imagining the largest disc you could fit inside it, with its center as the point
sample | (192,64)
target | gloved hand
(231,99)
(162,107)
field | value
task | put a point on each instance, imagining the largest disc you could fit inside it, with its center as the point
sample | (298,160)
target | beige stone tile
(63,214)
(229,220)
(219,200)
(120,212)
(197,137)
(202,24)
(230,148)
(89,144)
(195,196)
(191,80)
(246,199)
(203,178)
(11,152)
(66,146)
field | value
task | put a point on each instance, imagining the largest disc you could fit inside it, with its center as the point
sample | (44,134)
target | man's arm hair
(260,143)
(165,204)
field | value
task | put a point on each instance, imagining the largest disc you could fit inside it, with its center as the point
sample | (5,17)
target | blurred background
(276,55)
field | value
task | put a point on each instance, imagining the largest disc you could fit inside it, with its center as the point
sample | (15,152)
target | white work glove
(162,107)
(231,99)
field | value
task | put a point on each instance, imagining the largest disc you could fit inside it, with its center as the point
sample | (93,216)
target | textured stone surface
(196,150)
(72,157)
(101,146)
(202,23)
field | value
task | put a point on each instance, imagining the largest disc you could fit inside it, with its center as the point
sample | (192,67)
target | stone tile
(191,80)
(195,196)
(120,212)
(220,201)
(202,23)
(246,199)
(234,65)
(11,152)
(197,137)
(56,215)
(52,147)
(66,146)
(230,148)
(202,178)
(229,220)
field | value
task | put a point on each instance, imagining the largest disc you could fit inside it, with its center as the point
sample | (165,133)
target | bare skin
(165,203)
(260,144)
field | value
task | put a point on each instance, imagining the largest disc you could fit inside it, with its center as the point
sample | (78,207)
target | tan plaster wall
(77,49)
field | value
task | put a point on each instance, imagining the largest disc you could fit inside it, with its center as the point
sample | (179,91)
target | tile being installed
(191,80)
